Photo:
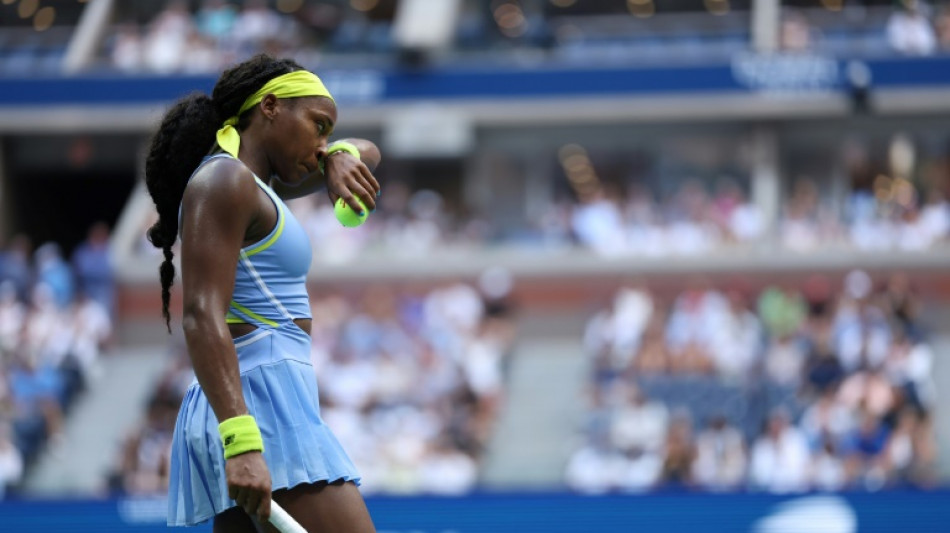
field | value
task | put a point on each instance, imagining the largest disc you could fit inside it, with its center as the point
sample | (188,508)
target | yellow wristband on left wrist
(240,434)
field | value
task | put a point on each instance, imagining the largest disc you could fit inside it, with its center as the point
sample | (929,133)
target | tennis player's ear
(269,106)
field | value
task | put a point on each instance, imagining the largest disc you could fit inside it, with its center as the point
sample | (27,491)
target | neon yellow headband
(291,85)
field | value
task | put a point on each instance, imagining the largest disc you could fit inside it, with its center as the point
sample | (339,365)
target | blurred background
(633,257)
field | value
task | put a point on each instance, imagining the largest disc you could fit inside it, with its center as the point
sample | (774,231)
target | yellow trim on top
(252,314)
(273,238)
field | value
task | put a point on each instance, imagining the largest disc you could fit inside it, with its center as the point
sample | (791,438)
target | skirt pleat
(298,447)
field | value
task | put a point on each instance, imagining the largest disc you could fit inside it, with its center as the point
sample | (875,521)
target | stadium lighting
(363,5)
(289,6)
(717,7)
(832,5)
(27,8)
(44,18)
(641,8)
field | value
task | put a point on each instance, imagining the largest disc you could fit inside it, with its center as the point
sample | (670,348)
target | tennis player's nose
(321,151)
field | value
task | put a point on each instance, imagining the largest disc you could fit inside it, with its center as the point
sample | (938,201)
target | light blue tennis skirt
(280,390)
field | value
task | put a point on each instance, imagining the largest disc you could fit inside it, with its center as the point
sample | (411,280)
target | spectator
(795,34)
(55,273)
(909,30)
(93,265)
(593,468)
(780,457)
(679,452)
(868,389)
(638,423)
(783,310)
(215,20)
(127,51)
(255,25)
(828,470)
(736,342)
(943,28)
(91,330)
(447,470)
(598,224)
(167,38)
(15,266)
(11,460)
(146,452)
(720,457)
(12,318)
(827,421)
(865,446)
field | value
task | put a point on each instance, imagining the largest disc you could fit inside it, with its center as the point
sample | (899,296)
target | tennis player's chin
(293,182)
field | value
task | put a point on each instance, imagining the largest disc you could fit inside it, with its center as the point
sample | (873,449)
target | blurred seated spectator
(165,43)
(93,266)
(780,457)
(795,33)
(11,460)
(828,470)
(720,457)
(146,453)
(909,30)
(637,422)
(943,28)
(53,271)
(864,448)
(128,48)
(215,20)
(15,265)
(679,453)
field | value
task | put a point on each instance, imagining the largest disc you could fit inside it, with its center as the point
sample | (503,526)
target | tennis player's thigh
(336,507)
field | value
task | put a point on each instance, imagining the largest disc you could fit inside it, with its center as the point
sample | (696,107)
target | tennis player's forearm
(369,153)
(215,363)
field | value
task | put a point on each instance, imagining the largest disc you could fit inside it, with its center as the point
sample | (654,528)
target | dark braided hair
(185,136)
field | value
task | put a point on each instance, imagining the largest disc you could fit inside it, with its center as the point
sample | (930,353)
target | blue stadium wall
(912,512)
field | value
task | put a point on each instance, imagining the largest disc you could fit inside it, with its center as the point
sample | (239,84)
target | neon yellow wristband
(343,146)
(240,435)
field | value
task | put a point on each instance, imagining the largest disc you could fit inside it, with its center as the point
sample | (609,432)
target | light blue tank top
(270,288)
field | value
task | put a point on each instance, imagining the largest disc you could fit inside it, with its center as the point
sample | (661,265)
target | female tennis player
(250,426)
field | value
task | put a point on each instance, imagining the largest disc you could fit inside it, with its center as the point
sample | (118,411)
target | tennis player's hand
(249,483)
(349,178)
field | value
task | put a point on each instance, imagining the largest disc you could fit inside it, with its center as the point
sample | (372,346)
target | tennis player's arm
(217,209)
(369,156)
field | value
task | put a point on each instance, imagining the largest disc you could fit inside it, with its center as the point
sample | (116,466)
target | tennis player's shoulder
(222,181)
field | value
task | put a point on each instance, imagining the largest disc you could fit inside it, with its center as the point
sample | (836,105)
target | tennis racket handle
(283,521)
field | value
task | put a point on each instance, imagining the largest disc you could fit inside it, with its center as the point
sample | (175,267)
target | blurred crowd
(220,33)
(790,390)
(216,33)
(411,382)
(889,216)
(56,319)
(612,222)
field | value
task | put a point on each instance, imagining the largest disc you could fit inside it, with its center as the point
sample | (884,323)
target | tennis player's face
(306,126)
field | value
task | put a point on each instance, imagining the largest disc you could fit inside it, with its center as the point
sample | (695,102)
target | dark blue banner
(745,73)
(911,512)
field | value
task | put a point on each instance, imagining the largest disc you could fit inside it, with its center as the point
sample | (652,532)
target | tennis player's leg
(337,507)
(234,520)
